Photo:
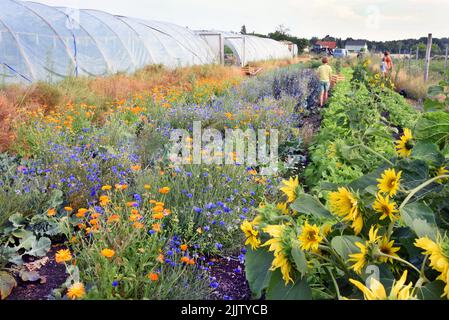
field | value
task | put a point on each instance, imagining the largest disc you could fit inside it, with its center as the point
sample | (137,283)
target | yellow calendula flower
(252,236)
(383,206)
(389,182)
(404,145)
(290,187)
(276,245)
(387,247)
(76,291)
(376,290)
(438,256)
(362,258)
(63,256)
(310,237)
(344,204)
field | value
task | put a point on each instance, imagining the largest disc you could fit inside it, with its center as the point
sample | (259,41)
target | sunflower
(387,247)
(385,207)
(277,245)
(389,182)
(250,234)
(442,171)
(438,256)
(283,207)
(290,188)
(76,291)
(344,204)
(362,258)
(376,290)
(404,145)
(310,237)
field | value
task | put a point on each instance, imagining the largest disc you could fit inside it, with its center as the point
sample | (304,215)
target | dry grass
(414,85)
(103,91)
(273,64)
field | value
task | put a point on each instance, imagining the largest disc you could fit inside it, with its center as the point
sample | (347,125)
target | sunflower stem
(375,153)
(419,188)
(406,263)
(337,290)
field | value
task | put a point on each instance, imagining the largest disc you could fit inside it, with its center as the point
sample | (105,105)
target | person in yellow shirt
(325,74)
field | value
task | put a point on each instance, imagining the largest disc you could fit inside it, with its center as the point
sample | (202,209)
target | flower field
(356,209)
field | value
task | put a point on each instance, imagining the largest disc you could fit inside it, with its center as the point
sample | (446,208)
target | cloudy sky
(369,19)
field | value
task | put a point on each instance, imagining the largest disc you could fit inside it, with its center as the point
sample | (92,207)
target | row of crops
(368,219)
(97,183)
(359,212)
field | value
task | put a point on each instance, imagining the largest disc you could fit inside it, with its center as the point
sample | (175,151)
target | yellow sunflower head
(278,244)
(387,247)
(310,237)
(251,235)
(290,188)
(283,208)
(404,145)
(345,204)
(376,290)
(442,171)
(386,208)
(390,182)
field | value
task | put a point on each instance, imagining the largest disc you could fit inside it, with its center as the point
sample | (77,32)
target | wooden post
(445,62)
(428,51)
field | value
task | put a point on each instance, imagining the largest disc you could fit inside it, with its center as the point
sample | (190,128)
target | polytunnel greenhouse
(40,42)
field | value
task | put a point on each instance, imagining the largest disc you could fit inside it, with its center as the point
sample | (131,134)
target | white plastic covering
(39,42)
(249,48)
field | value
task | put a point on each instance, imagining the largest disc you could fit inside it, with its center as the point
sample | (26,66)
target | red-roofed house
(325,45)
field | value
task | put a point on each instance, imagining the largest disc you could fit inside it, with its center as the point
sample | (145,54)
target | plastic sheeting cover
(39,42)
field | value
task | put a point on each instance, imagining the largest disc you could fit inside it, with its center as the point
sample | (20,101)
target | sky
(359,19)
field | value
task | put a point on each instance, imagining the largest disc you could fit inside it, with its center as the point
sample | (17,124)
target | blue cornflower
(197,210)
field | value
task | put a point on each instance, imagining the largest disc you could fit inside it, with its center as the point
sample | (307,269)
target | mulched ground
(230,275)
(53,273)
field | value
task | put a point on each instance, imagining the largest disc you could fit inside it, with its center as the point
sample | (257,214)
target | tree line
(282,33)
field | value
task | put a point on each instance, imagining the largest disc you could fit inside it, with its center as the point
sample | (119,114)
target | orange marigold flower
(184,247)
(106,188)
(131,204)
(138,225)
(164,190)
(68,209)
(135,217)
(63,256)
(104,200)
(185,260)
(121,187)
(108,253)
(114,218)
(158,216)
(158,209)
(76,291)
(136,168)
(156,227)
(51,212)
(160,258)
(153,277)
(134,211)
